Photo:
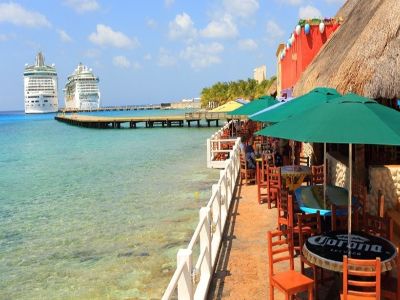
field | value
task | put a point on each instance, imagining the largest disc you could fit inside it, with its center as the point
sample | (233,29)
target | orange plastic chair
(317,174)
(308,225)
(358,279)
(285,210)
(290,282)
(274,184)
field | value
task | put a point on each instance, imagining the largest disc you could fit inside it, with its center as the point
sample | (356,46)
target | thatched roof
(363,55)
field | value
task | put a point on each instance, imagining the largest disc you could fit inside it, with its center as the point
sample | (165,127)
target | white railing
(196,263)
(215,147)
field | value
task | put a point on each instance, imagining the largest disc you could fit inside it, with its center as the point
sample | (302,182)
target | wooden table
(309,203)
(294,175)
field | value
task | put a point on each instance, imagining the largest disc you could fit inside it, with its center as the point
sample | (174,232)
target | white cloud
(309,12)
(81,6)
(335,1)
(241,8)
(247,44)
(92,53)
(182,27)
(151,23)
(274,32)
(64,36)
(121,61)
(6,37)
(18,15)
(222,28)
(165,59)
(136,65)
(202,55)
(291,2)
(169,3)
(106,36)
(147,56)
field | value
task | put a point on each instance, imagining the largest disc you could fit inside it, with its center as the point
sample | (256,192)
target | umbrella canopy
(344,120)
(254,106)
(229,106)
(297,105)
(348,119)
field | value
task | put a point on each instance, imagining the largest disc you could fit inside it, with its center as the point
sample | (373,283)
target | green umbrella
(344,120)
(348,119)
(254,106)
(297,105)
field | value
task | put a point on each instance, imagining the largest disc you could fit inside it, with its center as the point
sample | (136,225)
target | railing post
(209,153)
(185,283)
(205,241)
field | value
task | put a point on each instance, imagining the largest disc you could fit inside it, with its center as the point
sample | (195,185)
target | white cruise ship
(40,87)
(82,90)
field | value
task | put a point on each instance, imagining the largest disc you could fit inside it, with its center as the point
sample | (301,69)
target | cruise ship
(82,90)
(40,87)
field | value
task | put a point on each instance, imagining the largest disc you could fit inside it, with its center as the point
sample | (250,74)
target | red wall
(302,52)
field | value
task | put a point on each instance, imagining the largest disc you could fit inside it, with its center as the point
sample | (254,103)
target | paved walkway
(242,269)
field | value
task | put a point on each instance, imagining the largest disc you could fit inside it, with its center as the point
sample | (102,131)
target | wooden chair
(340,222)
(359,281)
(380,210)
(391,282)
(304,161)
(379,226)
(285,210)
(274,184)
(309,225)
(249,175)
(360,192)
(290,282)
(317,174)
(262,184)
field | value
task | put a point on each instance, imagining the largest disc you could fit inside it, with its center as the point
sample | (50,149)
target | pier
(148,121)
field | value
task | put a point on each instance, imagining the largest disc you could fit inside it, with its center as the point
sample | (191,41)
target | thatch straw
(363,55)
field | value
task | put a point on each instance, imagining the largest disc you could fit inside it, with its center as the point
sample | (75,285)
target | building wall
(260,73)
(301,53)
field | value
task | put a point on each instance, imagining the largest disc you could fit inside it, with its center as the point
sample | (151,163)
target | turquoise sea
(96,214)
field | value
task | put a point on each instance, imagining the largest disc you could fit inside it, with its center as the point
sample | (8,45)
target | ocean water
(96,214)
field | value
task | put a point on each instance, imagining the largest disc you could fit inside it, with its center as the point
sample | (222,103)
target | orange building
(300,50)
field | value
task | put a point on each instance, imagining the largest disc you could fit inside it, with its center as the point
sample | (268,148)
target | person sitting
(250,156)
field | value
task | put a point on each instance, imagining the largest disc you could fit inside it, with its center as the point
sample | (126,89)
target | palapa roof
(363,55)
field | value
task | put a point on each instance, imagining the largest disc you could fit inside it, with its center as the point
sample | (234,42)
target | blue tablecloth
(308,203)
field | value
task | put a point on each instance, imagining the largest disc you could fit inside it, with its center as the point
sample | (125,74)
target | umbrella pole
(349,212)
(325,175)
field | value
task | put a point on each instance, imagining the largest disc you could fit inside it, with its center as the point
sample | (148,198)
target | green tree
(222,92)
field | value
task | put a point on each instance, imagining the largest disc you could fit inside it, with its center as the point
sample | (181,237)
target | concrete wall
(185,105)
(337,172)
(386,179)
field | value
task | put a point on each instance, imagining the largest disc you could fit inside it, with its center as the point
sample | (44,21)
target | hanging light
(321,27)
(298,29)
(307,28)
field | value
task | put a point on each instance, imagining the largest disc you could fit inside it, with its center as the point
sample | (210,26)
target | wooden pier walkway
(149,121)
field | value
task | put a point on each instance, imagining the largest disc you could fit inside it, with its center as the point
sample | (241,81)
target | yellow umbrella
(227,107)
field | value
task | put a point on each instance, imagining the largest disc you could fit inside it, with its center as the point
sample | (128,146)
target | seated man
(250,156)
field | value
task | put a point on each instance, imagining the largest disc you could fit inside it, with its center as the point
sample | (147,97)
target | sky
(147,52)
